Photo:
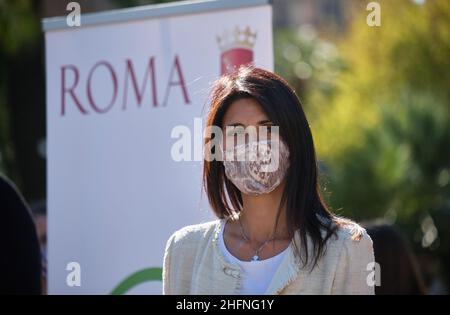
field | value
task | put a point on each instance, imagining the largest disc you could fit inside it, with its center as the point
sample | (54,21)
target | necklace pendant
(255,258)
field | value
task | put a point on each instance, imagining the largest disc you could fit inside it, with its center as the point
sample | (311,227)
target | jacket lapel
(287,271)
(290,269)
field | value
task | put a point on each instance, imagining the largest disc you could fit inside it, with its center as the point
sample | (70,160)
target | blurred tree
(384,133)
(308,61)
(19,25)
(379,106)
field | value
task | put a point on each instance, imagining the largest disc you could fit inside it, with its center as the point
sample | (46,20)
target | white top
(256,275)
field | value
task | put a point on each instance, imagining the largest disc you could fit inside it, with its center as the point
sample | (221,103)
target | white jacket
(194,264)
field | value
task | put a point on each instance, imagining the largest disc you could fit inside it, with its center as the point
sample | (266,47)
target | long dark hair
(306,210)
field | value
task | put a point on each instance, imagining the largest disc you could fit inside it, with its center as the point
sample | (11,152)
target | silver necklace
(256,256)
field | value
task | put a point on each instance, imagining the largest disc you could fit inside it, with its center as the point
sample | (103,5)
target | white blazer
(194,264)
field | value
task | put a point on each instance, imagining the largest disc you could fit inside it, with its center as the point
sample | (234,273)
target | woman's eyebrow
(263,122)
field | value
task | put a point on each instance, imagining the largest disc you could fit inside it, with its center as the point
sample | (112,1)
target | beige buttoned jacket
(194,264)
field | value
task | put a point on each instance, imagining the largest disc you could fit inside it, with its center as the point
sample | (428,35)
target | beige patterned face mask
(257,167)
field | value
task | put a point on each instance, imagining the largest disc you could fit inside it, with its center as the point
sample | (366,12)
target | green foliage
(308,62)
(402,166)
(384,134)
(19,25)
(382,123)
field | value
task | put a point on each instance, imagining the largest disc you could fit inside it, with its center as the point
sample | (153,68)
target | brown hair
(306,210)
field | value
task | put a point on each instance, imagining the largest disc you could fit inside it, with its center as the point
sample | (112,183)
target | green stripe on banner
(144,275)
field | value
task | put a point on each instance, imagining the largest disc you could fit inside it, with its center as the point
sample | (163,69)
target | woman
(275,234)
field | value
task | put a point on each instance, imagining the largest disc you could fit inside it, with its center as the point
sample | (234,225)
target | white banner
(115,92)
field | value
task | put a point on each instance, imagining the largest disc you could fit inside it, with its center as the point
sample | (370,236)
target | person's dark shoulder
(7,188)
(13,203)
(22,270)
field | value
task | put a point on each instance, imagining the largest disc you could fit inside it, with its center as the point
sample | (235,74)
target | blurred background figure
(20,262)
(399,269)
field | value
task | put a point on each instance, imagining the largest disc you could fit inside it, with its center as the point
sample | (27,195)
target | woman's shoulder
(350,236)
(350,230)
(349,257)
(182,250)
(193,234)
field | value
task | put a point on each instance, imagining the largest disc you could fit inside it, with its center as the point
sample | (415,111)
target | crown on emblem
(243,38)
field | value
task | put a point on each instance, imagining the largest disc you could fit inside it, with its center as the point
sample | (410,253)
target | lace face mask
(257,167)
